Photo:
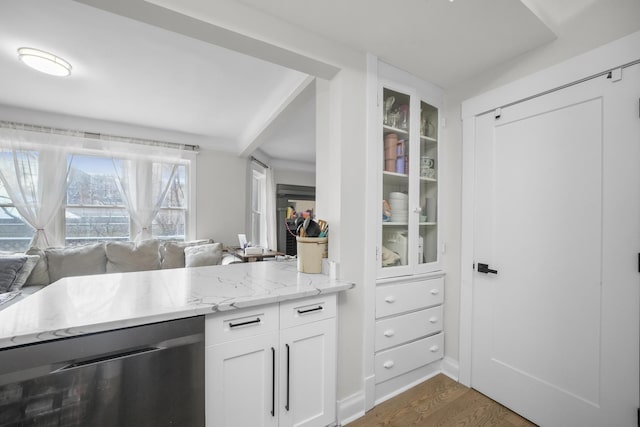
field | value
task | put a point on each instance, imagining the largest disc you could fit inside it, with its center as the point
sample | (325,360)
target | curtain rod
(96,135)
(253,159)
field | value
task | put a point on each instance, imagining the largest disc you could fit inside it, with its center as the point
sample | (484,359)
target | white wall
(220,196)
(291,177)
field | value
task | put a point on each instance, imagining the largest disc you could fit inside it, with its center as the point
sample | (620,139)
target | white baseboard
(350,408)
(451,368)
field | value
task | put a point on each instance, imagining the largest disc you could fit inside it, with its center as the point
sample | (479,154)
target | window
(95,209)
(258,209)
(15,234)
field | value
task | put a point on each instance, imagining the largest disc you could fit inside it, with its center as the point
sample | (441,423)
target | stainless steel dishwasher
(150,375)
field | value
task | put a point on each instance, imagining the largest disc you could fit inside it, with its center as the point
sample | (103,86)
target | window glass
(15,234)
(95,210)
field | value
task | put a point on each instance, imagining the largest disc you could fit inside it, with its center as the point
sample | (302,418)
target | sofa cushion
(10,268)
(76,261)
(25,272)
(202,255)
(40,274)
(124,257)
(172,253)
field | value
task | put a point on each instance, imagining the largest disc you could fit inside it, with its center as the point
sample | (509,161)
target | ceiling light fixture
(44,62)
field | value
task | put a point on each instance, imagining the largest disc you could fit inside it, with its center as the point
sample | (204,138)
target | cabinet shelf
(425,179)
(400,224)
(390,129)
(427,139)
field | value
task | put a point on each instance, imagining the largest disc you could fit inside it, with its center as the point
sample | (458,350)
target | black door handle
(484,268)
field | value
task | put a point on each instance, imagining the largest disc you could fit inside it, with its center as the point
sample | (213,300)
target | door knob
(484,268)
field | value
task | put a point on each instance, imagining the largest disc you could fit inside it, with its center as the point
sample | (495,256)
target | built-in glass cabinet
(409,199)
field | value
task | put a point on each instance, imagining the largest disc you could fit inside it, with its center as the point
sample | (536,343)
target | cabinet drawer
(407,327)
(237,324)
(399,298)
(301,311)
(399,360)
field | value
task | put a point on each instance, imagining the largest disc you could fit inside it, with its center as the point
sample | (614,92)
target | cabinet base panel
(401,383)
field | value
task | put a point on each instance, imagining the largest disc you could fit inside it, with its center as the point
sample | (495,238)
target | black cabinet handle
(311,310)
(484,268)
(273,382)
(286,406)
(249,322)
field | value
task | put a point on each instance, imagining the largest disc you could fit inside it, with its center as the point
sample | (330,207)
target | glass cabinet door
(395,178)
(428,193)
(409,163)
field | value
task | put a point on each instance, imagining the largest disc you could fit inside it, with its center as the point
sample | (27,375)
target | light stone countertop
(81,305)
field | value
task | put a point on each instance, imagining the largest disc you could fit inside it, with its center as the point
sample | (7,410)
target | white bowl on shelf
(396,195)
(399,205)
(399,215)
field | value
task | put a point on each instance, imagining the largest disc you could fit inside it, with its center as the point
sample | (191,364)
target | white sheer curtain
(270,208)
(144,185)
(30,165)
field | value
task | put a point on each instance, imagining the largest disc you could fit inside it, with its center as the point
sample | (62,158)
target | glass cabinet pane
(395,178)
(428,194)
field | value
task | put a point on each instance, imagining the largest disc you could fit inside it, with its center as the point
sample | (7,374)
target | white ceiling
(441,41)
(129,72)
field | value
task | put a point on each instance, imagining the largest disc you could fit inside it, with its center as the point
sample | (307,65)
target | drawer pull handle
(249,322)
(390,299)
(434,319)
(311,310)
(389,333)
(388,364)
(435,291)
(434,348)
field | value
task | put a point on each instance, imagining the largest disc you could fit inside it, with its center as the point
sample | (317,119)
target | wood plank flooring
(441,402)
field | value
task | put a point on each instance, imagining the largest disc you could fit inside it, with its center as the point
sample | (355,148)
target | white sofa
(24,274)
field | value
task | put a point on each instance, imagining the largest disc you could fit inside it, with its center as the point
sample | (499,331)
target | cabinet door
(308,374)
(409,162)
(241,382)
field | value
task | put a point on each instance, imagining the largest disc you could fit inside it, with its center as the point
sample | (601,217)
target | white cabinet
(408,331)
(272,365)
(409,189)
(240,386)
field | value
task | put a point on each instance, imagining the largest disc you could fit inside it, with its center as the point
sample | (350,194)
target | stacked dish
(399,206)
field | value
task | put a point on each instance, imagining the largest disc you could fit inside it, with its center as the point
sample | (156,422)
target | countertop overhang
(88,304)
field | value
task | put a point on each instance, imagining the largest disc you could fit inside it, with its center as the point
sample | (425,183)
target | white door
(242,382)
(307,372)
(557,215)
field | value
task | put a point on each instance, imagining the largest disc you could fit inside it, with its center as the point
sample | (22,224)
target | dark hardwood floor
(441,402)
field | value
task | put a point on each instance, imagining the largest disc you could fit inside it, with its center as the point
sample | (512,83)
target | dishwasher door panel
(153,385)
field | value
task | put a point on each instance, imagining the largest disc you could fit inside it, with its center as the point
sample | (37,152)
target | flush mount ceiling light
(44,62)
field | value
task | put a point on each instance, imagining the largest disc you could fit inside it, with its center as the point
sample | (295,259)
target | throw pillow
(10,266)
(172,253)
(123,257)
(40,273)
(25,272)
(76,261)
(202,255)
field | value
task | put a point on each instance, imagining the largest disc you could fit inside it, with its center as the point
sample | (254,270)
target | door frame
(611,56)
